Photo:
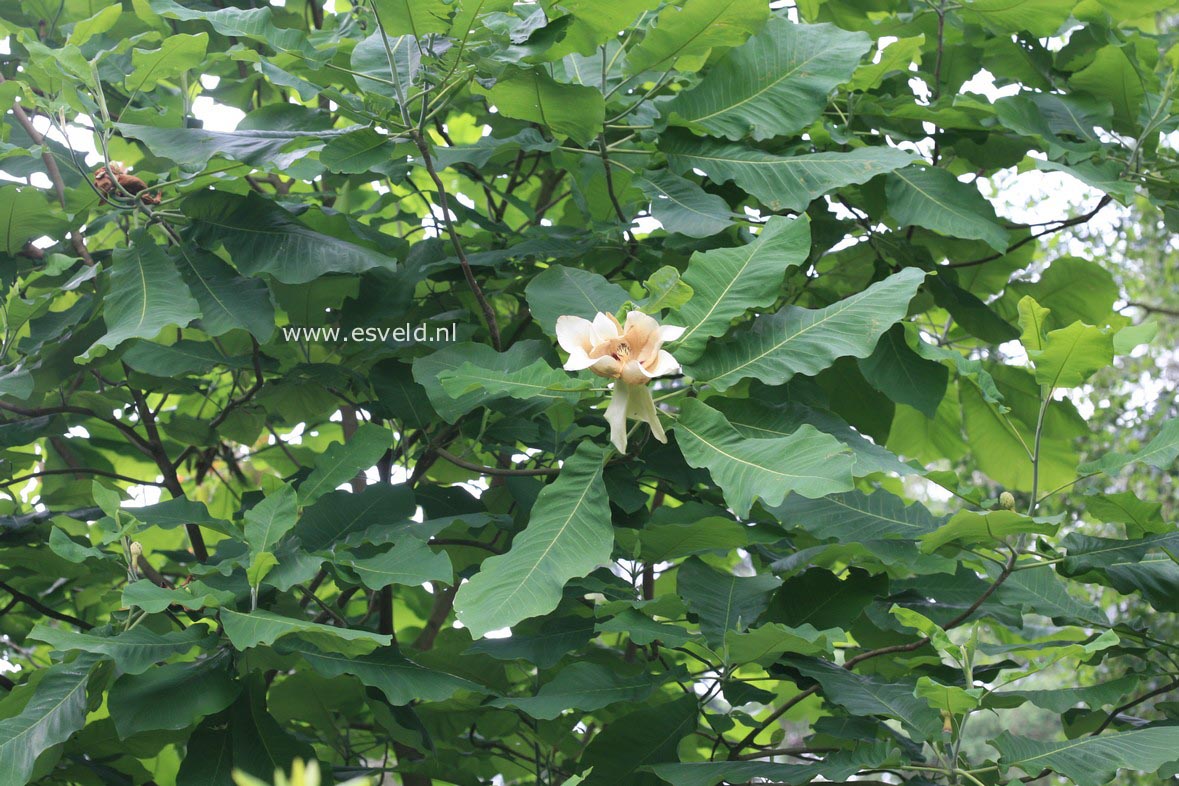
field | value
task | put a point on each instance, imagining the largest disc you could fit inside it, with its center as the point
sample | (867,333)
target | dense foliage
(293,473)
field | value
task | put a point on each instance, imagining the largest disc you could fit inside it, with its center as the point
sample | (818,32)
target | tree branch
(1105,724)
(52,170)
(1166,312)
(1063,224)
(444,203)
(484,470)
(33,603)
(102,473)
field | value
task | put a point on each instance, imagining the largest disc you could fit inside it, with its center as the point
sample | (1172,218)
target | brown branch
(128,432)
(33,603)
(102,473)
(496,471)
(444,203)
(1170,686)
(626,233)
(54,173)
(171,480)
(443,603)
(1166,312)
(1062,224)
(244,398)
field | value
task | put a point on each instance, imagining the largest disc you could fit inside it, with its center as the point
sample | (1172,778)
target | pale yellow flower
(632,354)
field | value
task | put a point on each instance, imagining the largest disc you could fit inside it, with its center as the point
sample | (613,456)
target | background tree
(247,523)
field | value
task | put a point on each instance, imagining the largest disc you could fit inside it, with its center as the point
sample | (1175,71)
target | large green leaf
(358,151)
(776,83)
(682,206)
(564,290)
(175,55)
(208,759)
(343,461)
(195,147)
(256,23)
(152,598)
(568,535)
(905,375)
(536,381)
(858,517)
(25,215)
(260,745)
(270,519)
(694,29)
(415,18)
(263,238)
(173,696)
(1038,17)
(227,300)
(807,462)
(801,341)
(146,294)
(1160,452)
(1072,354)
(932,198)
(969,526)
(135,651)
(455,376)
(1092,761)
(758,418)
(246,630)
(997,439)
(727,282)
(339,517)
(576,111)
(722,601)
(649,735)
(581,686)
(872,696)
(410,562)
(401,680)
(780,182)
(55,709)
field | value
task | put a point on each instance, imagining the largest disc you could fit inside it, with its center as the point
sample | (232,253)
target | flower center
(622,352)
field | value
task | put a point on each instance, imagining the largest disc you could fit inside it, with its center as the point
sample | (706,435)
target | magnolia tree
(583,391)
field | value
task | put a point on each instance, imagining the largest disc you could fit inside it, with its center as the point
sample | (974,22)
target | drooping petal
(640,406)
(616,415)
(662,365)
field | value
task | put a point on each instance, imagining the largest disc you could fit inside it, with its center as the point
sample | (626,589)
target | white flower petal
(644,327)
(607,366)
(575,334)
(633,373)
(605,327)
(579,360)
(616,415)
(663,365)
(670,332)
(640,406)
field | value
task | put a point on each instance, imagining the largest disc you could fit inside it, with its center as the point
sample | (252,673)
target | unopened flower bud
(1007,500)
